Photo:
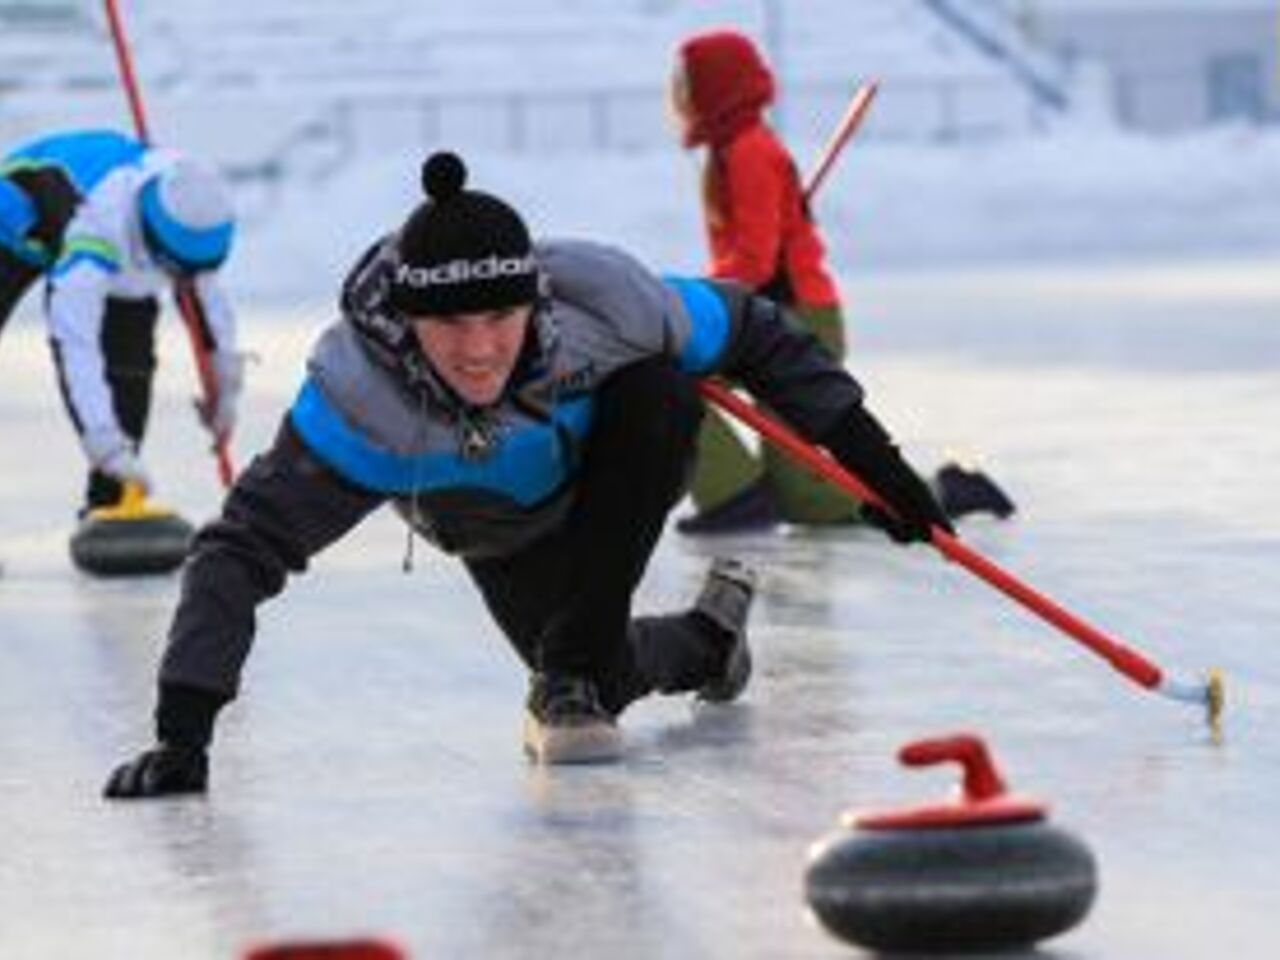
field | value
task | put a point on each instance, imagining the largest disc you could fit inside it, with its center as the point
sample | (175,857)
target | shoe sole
(586,743)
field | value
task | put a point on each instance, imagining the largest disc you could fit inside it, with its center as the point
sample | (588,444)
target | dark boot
(725,602)
(101,490)
(753,508)
(564,722)
(961,491)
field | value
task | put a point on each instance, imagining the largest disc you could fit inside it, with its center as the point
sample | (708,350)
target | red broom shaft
(125,63)
(847,127)
(1126,660)
(181,291)
(204,369)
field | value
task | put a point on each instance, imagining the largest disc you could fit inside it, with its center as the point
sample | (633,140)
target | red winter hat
(729,84)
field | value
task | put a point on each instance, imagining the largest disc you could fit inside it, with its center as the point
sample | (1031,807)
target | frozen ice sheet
(370,778)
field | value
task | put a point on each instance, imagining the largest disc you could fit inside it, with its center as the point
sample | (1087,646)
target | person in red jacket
(761,234)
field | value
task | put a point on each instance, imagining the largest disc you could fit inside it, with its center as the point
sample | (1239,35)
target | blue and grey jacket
(488,481)
(372,423)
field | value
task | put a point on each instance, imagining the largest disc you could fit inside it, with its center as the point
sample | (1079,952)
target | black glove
(161,771)
(864,448)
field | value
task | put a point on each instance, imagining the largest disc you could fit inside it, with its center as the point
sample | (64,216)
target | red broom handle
(1124,659)
(127,76)
(848,126)
(183,294)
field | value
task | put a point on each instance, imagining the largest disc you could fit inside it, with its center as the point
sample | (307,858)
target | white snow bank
(1076,195)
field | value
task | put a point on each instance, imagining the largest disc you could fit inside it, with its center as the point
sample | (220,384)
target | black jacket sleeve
(788,369)
(863,447)
(283,509)
(784,365)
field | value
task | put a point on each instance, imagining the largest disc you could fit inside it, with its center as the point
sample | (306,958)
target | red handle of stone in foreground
(328,950)
(982,780)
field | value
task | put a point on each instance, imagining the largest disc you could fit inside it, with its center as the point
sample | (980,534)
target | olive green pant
(726,465)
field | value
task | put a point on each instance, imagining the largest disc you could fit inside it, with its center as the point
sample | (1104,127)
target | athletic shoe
(564,722)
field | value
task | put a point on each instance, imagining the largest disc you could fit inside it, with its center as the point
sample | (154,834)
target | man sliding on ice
(532,409)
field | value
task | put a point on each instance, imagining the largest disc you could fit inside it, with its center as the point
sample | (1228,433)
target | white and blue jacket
(100,255)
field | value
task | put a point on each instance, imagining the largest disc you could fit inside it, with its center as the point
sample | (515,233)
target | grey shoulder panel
(369,400)
(614,287)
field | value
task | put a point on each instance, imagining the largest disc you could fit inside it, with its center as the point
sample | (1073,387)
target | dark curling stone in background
(131,537)
(984,872)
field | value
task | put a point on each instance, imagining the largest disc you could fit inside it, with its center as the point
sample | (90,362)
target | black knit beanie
(461,251)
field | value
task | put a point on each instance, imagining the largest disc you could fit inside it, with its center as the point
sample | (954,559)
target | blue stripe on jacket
(86,155)
(17,213)
(709,318)
(528,464)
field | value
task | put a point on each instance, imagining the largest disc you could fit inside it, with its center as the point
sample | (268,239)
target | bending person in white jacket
(109,223)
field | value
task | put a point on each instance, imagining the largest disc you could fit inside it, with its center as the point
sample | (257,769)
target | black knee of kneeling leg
(651,411)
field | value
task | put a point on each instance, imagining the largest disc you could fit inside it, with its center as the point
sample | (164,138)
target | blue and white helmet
(186,214)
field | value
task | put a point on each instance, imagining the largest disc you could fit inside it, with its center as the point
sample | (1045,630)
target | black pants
(128,350)
(565,601)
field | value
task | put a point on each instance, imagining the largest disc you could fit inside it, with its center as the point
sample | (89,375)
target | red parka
(758,227)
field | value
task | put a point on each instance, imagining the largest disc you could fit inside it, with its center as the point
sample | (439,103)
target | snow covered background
(1083,196)
(558,105)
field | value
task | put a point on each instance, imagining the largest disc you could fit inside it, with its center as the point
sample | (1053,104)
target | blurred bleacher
(303,84)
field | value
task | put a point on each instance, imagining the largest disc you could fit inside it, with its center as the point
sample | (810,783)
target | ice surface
(370,779)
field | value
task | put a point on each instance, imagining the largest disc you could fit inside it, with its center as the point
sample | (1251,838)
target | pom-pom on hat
(186,214)
(461,251)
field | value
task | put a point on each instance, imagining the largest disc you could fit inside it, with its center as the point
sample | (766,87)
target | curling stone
(130,537)
(328,950)
(983,872)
